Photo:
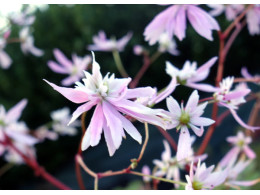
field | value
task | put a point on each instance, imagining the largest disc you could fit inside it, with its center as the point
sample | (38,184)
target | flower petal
(15,112)
(184,144)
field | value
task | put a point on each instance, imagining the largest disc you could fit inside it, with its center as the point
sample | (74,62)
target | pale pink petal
(69,80)
(113,122)
(61,58)
(81,109)
(249,152)
(230,156)
(236,94)
(5,60)
(166,92)
(22,138)
(166,155)
(36,52)
(96,125)
(180,23)
(86,140)
(110,144)
(245,183)
(201,121)
(15,112)
(202,87)
(139,92)
(192,102)
(197,131)
(121,43)
(215,179)
(71,94)
(56,68)
(184,144)
(173,106)
(245,73)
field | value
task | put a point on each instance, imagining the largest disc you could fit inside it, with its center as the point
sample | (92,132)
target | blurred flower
(204,178)
(43,133)
(240,144)
(173,22)
(61,119)
(138,50)
(188,117)
(5,60)
(189,75)
(247,75)
(73,68)
(231,11)
(18,133)
(101,43)
(9,124)
(253,20)
(22,18)
(27,43)
(231,99)
(146,170)
(167,45)
(111,96)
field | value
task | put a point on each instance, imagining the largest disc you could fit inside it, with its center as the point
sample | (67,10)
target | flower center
(180,81)
(2,123)
(196,185)
(185,118)
(240,143)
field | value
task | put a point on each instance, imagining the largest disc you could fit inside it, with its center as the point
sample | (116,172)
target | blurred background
(71,28)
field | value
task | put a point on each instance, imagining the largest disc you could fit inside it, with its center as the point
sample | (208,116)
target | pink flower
(240,144)
(188,117)
(189,75)
(101,43)
(233,172)
(111,97)
(27,43)
(5,60)
(204,178)
(231,11)
(253,20)
(173,22)
(138,50)
(231,99)
(73,68)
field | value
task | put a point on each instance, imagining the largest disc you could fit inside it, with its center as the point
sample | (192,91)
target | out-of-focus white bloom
(5,60)
(247,75)
(27,43)
(61,119)
(22,18)
(138,50)
(167,44)
(253,20)
(43,133)
(146,170)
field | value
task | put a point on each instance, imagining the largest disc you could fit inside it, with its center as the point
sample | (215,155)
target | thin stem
(157,178)
(96,183)
(253,80)
(119,64)
(145,142)
(232,38)
(147,62)
(205,99)
(84,166)
(237,20)
(14,40)
(168,137)
(253,116)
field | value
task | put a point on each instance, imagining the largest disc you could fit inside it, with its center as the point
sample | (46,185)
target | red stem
(39,170)
(168,138)
(206,99)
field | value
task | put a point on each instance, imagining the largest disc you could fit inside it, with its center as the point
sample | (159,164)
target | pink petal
(56,68)
(15,112)
(81,109)
(249,152)
(201,121)
(184,144)
(35,51)
(173,106)
(245,183)
(86,140)
(192,102)
(22,138)
(202,87)
(245,73)
(96,125)
(180,23)
(166,155)
(5,60)
(110,144)
(61,58)
(139,92)
(231,156)
(121,43)
(70,80)
(197,131)
(113,122)
(207,65)
(71,94)
(236,94)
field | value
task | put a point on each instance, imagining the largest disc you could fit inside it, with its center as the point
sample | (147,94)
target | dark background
(71,28)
